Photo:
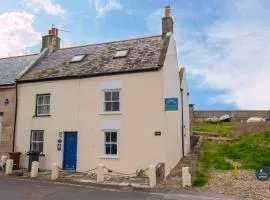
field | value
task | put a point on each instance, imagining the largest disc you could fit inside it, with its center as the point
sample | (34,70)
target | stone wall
(237,115)
(7,110)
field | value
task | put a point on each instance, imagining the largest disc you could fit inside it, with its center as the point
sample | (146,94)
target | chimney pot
(167,22)
(51,41)
(167,11)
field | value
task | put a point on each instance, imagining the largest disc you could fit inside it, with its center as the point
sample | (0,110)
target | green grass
(252,152)
(225,129)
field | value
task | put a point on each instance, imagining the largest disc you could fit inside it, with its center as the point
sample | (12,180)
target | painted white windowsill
(111,113)
(109,157)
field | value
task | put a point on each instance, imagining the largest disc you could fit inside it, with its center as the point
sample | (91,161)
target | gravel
(245,185)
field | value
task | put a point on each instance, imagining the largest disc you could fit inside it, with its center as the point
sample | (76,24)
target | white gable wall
(184,86)
(173,143)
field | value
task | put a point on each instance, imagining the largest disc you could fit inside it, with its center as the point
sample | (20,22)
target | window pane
(46,109)
(40,110)
(113,149)
(108,106)
(113,137)
(33,146)
(108,96)
(116,106)
(115,96)
(40,100)
(40,147)
(34,136)
(39,136)
(107,137)
(107,149)
(43,110)
(47,99)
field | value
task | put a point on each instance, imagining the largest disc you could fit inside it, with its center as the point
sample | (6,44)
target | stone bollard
(34,169)
(152,176)
(9,166)
(3,160)
(100,173)
(55,171)
(186,177)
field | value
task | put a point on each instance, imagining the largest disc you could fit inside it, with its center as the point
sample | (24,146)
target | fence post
(100,173)
(55,171)
(34,169)
(186,177)
(9,166)
(152,176)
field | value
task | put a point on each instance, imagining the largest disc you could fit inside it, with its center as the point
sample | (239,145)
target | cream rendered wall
(172,119)
(76,106)
(184,86)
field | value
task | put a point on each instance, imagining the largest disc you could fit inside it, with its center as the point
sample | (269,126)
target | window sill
(111,113)
(109,157)
(40,155)
(42,116)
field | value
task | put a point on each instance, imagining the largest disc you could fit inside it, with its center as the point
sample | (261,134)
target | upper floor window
(112,101)
(43,104)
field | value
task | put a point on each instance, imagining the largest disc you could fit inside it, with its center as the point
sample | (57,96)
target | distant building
(10,69)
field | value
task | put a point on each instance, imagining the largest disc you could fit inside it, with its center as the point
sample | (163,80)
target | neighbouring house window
(112,101)
(110,143)
(43,104)
(37,140)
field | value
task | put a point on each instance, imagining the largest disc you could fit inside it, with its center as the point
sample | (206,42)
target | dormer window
(120,53)
(78,58)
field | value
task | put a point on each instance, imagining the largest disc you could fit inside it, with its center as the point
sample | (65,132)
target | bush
(200,179)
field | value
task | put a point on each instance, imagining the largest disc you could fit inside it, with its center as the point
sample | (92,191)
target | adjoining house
(10,69)
(118,103)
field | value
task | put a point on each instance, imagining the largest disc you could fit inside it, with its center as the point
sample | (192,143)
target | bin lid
(14,153)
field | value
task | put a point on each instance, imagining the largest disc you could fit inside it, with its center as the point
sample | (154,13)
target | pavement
(19,189)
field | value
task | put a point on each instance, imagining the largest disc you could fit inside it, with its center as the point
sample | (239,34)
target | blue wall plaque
(171,104)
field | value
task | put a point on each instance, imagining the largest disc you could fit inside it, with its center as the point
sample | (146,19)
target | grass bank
(252,152)
(224,129)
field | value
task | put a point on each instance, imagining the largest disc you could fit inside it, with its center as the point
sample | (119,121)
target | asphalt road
(12,189)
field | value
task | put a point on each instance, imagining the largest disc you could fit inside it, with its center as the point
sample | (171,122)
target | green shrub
(200,179)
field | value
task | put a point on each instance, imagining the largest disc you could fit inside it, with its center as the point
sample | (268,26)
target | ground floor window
(110,143)
(37,140)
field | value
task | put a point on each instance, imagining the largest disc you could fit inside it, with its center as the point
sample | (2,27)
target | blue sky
(224,45)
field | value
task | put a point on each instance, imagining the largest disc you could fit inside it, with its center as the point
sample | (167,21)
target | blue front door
(70,150)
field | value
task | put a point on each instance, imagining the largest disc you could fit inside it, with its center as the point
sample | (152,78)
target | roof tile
(144,54)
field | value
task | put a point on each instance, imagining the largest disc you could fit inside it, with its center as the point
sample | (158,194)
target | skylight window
(78,58)
(121,53)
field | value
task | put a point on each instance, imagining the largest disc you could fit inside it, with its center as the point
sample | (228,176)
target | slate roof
(146,53)
(10,68)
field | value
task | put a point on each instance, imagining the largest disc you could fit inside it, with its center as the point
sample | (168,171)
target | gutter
(182,114)
(15,117)
(88,75)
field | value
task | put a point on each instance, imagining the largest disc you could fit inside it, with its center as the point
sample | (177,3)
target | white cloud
(47,6)
(154,21)
(103,7)
(229,54)
(17,33)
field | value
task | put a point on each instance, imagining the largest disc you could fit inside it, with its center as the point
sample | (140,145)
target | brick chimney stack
(51,41)
(167,22)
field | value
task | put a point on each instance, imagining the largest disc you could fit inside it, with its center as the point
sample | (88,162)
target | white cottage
(121,103)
